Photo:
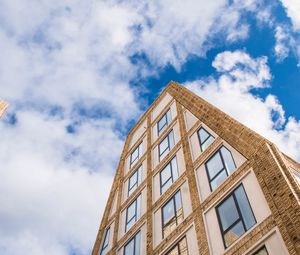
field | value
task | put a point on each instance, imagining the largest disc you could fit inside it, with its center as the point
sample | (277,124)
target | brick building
(3,106)
(192,180)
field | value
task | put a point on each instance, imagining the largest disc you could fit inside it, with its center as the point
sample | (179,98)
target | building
(3,106)
(192,180)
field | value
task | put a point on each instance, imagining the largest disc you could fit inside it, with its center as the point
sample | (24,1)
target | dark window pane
(134,155)
(207,143)
(218,179)
(171,139)
(133,213)
(133,180)
(180,248)
(228,213)
(166,174)
(166,185)
(162,123)
(245,208)
(138,207)
(163,146)
(129,248)
(262,251)
(169,117)
(131,210)
(234,233)
(104,248)
(203,135)
(168,211)
(178,200)
(174,168)
(138,244)
(214,165)
(228,160)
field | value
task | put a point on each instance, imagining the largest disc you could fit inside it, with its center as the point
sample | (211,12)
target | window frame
(260,249)
(138,148)
(218,151)
(103,246)
(138,181)
(240,219)
(160,130)
(168,147)
(134,244)
(175,211)
(135,201)
(161,185)
(177,246)
(209,135)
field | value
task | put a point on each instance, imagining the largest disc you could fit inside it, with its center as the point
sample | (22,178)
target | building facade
(3,106)
(192,180)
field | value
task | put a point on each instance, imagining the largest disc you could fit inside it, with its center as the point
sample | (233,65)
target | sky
(78,74)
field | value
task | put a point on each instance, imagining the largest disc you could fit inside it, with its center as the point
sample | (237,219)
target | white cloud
(171,31)
(71,57)
(50,203)
(265,116)
(67,63)
(243,71)
(282,43)
(293,9)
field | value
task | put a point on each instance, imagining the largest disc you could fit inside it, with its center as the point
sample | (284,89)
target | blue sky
(78,74)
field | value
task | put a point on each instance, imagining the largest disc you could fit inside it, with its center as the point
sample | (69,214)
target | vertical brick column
(117,185)
(192,183)
(149,189)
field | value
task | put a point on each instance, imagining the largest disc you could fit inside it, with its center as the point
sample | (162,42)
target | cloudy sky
(78,74)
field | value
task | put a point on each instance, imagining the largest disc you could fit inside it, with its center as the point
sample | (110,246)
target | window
(166,145)
(134,180)
(219,166)
(297,176)
(172,214)
(133,246)
(104,248)
(235,216)
(163,122)
(205,138)
(180,248)
(168,175)
(136,154)
(262,251)
(133,212)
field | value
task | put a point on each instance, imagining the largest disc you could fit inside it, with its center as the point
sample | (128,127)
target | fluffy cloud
(293,9)
(171,30)
(66,69)
(237,74)
(282,41)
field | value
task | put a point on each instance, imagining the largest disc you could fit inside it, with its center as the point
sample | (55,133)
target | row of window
(164,146)
(218,167)
(234,212)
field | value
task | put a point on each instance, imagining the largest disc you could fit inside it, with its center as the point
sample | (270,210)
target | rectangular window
(297,176)
(163,122)
(205,138)
(166,145)
(235,216)
(136,154)
(180,248)
(262,251)
(219,167)
(172,214)
(168,175)
(104,248)
(133,247)
(134,180)
(133,213)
